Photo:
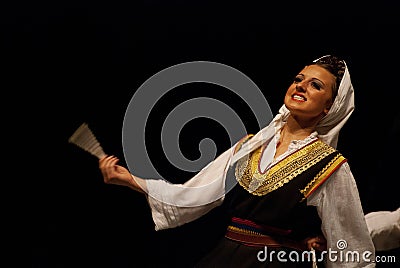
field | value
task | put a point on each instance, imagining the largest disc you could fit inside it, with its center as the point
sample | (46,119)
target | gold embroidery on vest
(250,178)
(323,175)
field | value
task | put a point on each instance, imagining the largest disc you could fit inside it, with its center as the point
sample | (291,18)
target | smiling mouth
(297,97)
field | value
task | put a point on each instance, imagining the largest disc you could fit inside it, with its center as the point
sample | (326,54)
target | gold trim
(323,175)
(257,183)
(243,231)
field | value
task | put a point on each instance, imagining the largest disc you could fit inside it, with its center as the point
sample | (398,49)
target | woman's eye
(297,80)
(315,85)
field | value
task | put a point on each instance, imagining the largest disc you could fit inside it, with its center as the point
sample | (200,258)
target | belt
(253,238)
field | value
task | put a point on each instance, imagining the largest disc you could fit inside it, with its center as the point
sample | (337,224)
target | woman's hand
(113,173)
(318,243)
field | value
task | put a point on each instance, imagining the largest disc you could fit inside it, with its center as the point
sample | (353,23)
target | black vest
(278,198)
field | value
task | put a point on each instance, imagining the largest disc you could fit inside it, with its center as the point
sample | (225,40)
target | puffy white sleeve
(175,204)
(349,243)
(384,229)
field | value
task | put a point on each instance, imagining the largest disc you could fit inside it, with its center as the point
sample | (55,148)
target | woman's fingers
(317,243)
(107,167)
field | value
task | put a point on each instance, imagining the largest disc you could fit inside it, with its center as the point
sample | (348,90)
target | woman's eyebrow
(318,80)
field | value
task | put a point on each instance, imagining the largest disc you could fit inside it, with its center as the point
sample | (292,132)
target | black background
(69,62)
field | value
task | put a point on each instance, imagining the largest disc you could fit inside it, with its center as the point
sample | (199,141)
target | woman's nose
(301,86)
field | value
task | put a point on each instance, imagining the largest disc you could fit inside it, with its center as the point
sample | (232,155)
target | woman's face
(309,97)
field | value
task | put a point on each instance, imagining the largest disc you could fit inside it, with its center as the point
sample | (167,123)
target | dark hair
(335,66)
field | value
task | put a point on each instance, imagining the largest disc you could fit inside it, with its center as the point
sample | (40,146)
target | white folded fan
(84,138)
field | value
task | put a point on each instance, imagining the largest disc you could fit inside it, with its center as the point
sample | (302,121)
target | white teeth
(297,97)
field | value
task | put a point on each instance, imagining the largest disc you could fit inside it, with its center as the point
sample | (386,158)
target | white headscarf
(342,107)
